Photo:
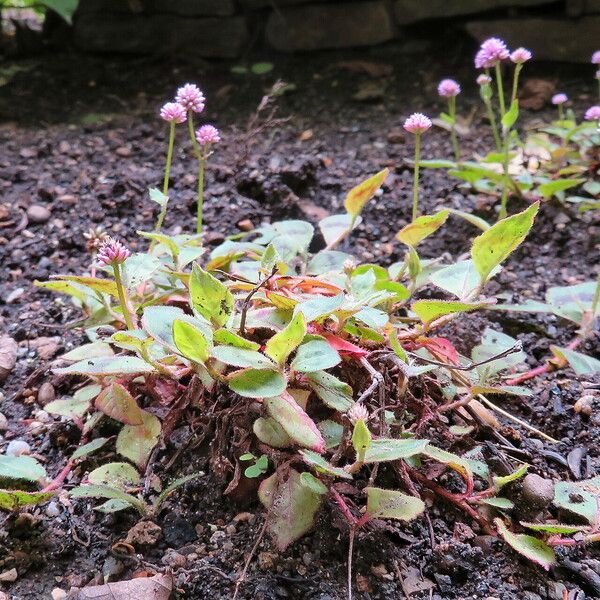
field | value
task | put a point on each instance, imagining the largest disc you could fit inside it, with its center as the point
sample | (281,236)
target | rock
(174,559)
(266,561)
(245,225)
(410,11)
(177,530)
(46,347)
(46,393)
(314,26)
(584,405)
(9,576)
(158,587)
(3,422)
(18,448)
(8,356)
(220,37)
(52,509)
(549,39)
(58,594)
(38,213)
(144,533)
(537,491)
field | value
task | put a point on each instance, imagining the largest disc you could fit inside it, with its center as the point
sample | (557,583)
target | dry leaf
(150,588)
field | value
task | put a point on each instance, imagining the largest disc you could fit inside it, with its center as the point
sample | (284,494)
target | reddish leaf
(345,347)
(442,347)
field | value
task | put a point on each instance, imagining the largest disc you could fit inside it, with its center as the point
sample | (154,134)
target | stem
(453,138)
(596,299)
(122,296)
(504,201)
(350,553)
(200,201)
(500,87)
(415,204)
(515,87)
(494,125)
(561,113)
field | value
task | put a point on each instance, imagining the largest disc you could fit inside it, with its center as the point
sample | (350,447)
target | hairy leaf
(21,467)
(322,466)
(530,547)
(257,383)
(136,442)
(209,297)
(117,403)
(334,393)
(282,344)
(390,504)
(421,227)
(383,449)
(190,341)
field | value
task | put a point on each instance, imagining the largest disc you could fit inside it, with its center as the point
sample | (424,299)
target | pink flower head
(596,58)
(520,55)
(207,134)
(492,51)
(358,412)
(112,252)
(190,97)
(559,99)
(484,79)
(448,88)
(173,112)
(593,113)
(417,123)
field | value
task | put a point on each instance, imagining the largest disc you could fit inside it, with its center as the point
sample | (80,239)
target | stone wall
(567,30)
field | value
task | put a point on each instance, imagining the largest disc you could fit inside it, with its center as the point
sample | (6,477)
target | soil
(80,137)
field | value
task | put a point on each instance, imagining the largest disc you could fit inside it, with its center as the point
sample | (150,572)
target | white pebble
(18,448)
(52,510)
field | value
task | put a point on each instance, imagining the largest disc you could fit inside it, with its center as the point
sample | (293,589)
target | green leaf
(13,499)
(312,483)
(319,307)
(500,482)
(334,393)
(93,350)
(136,442)
(437,164)
(358,196)
(471,218)
(209,297)
(429,310)
(390,504)
(117,403)
(65,8)
(496,244)
(361,439)
(421,227)
(229,338)
(119,475)
(270,432)
(454,461)
(296,423)
(580,498)
(89,448)
(166,240)
(270,258)
(157,196)
(558,185)
(530,547)
(68,407)
(240,357)
(139,268)
(282,344)
(555,527)
(255,383)
(582,364)
(105,491)
(261,68)
(332,433)
(21,467)
(384,449)
(315,355)
(64,287)
(335,226)
(511,116)
(103,366)
(104,286)
(460,279)
(327,261)
(293,507)
(501,503)
(190,341)
(320,465)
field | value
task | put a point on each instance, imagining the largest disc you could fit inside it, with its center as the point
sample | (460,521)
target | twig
(377,379)
(249,297)
(242,576)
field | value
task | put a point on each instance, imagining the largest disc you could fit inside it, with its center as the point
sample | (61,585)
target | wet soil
(79,137)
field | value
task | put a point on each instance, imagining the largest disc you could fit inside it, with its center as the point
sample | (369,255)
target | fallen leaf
(150,588)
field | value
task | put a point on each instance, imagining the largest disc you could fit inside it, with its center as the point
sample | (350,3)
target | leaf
(119,475)
(501,503)
(335,226)
(166,240)
(471,218)
(582,364)
(530,547)
(68,407)
(319,307)
(511,116)
(421,227)
(334,393)
(315,355)
(270,432)
(117,403)
(136,442)
(261,68)
(105,491)
(555,527)
(498,242)
(429,310)
(209,297)
(93,350)
(390,504)
(103,366)
(320,465)
(344,347)
(64,287)
(313,484)
(452,460)
(190,341)
(579,498)
(64,8)
(139,268)
(437,164)
(327,261)
(257,383)
(361,439)
(383,449)
(21,467)
(558,185)
(500,482)
(14,499)
(292,510)
(240,357)
(158,321)
(332,432)
(89,448)
(460,279)
(358,196)
(229,338)
(493,343)
(157,587)
(157,196)
(104,286)
(296,423)
(282,344)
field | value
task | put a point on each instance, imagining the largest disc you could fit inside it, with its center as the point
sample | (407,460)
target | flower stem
(415,203)
(515,86)
(494,125)
(561,113)
(200,204)
(453,138)
(500,89)
(122,296)
(505,184)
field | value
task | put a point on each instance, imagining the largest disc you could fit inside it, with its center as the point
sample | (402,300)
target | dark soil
(79,136)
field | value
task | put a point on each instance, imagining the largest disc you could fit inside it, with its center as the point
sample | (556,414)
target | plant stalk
(505,184)
(122,296)
(453,138)
(500,88)
(200,200)
(415,202)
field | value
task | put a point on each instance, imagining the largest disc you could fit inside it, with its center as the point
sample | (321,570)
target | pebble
(52,509)
(58,594)
(174,559)
(245,225)
(46,394)
(18,448)
(3,422)
(538,491)
(584,405)
(38,214)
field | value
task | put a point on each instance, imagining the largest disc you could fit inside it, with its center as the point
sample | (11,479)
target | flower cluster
(520,56)
(190,97)
(484,79)
(448,88)
(173,112)
(207,134)
(593,113)
(596,58)
(559,99)
(112,252)
(491,53)
(417,123)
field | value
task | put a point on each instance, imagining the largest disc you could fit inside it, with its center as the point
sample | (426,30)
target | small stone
(18,448)
(67,199)
(379,571)
(8,356)
(266,561)
(52,509)
(174,559)
(144,533)
(585,405)
(363,584)
(3,422)
(38,214)
(46,393)
(58,594)
(46,347)
(538,492)
(245,225)
(9,576)
(123,151)
(242,517)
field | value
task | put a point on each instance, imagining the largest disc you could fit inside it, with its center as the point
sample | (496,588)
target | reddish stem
(344,508)
(60,478)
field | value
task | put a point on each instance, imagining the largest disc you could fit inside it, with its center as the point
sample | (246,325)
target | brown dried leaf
(158,587)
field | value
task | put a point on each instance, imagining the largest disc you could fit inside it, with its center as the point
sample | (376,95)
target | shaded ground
(79,136)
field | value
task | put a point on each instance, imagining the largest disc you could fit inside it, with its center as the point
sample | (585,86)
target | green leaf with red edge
(358,196)
(391,504)
(429,310)
(532,548)
(108,365)
(422,227)
(257,383)
(117,403)
(136,442)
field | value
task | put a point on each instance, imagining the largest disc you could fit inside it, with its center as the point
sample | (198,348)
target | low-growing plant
(327,379)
